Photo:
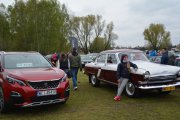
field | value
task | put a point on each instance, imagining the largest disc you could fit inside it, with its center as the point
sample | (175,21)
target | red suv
(28,79)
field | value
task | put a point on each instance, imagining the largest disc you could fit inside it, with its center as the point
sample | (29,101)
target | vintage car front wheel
(94,81)
(3,105)
(131,90)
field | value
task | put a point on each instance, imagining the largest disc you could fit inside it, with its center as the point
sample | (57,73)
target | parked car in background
(85,59)
(155,59)
(149,75)
(28,79)
(177,62)
(92,55)
(49,56)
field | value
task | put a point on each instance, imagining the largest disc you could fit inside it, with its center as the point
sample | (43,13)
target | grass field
(89,103)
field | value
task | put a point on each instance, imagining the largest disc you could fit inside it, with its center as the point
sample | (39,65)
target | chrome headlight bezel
(178,74)
(13,81)
(63,78)
(146,75)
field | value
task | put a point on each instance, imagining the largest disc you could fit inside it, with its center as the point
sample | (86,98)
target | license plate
(168,88)
(46,92)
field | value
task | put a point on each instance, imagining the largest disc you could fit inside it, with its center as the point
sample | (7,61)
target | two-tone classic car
(28,79)
(149,75)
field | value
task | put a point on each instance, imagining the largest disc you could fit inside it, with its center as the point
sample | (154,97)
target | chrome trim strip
(107,81)
(44,102)
(158,86)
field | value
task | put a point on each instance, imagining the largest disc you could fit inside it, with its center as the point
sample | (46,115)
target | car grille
(44,84)
(45,98)
(163,78)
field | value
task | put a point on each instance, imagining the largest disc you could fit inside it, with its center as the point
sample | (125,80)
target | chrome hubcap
(93,79)
(130,88)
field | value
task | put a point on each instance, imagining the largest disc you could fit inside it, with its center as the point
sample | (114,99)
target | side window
(101,58)
(119,56)
(111,59)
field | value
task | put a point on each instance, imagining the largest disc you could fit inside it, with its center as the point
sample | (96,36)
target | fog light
(15,94)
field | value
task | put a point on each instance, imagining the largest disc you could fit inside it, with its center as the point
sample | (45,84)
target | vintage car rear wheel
(94,81)
(3,105)
(131,90)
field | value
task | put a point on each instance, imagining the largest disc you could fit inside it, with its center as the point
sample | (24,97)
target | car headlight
(13,81)
(64,78)
(178,74)
(146,75)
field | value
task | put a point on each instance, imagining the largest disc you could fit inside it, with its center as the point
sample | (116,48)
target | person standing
(54,59)
(75,65)
(164,58)
(123,74)
(64,64)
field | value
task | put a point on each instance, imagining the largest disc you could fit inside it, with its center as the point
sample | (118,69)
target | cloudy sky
(130,17)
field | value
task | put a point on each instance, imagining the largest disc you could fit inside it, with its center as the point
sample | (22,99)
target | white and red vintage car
(149,75)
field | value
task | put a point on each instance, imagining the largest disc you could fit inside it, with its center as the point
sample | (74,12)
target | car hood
(36,74)
(156,69)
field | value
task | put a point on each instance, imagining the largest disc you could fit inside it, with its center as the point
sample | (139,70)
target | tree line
(46,25)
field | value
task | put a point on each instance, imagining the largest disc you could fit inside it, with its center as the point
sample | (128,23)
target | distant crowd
(166,58)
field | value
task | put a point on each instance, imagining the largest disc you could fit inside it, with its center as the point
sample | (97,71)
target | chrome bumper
(44,102)
(158,86)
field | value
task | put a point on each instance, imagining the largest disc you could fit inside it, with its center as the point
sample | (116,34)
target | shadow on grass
(37,110)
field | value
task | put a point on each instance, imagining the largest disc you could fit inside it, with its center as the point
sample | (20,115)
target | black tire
(64,102)
(94,81)
(3,104)
(132,90)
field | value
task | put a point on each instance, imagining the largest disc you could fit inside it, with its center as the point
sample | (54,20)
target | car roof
(121,50)
(28,52)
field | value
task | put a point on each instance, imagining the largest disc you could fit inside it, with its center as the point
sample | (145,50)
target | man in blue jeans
(75,65)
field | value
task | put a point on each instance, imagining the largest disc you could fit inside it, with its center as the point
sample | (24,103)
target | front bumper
(27,96)
(44,102)
(146,87)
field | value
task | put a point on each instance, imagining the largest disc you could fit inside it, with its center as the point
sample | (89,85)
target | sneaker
(117,98)
(75,88)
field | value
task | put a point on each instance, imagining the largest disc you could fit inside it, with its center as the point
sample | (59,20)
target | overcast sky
(130,17)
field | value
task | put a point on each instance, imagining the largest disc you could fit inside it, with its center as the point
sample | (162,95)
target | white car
(149,75)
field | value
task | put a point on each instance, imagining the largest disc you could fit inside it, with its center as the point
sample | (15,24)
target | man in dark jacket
(123,74)
(75,64)
(164,58)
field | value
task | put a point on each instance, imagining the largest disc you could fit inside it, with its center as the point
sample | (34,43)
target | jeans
(74,72)
(121,86)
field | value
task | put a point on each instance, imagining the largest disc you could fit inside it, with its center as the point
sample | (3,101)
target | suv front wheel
(3,105)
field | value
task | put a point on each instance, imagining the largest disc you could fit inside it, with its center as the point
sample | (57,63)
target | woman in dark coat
(123,74)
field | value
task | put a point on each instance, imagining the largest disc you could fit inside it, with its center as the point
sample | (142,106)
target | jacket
(123,71)
(75,61)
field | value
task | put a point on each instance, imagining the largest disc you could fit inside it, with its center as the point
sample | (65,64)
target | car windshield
(17,61)
(135,56)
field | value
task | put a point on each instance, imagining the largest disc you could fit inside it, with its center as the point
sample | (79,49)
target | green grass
(90,103)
